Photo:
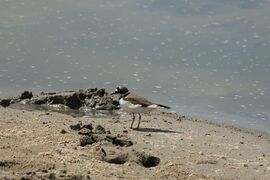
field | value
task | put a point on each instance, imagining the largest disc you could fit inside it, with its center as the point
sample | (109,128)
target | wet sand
(50,145)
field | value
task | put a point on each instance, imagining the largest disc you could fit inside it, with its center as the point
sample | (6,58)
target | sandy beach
(51,145)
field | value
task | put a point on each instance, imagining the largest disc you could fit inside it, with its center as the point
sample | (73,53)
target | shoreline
(42,144)
(96,99)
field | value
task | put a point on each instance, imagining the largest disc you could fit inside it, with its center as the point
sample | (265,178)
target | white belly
(135,108)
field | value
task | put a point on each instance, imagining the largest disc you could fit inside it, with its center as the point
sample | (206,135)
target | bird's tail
(161,105)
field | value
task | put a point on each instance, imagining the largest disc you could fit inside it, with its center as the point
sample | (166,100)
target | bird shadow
(156,130)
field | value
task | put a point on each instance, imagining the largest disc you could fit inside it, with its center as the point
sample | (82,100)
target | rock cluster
(92,98)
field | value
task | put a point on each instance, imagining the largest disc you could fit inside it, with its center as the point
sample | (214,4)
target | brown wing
(134,99)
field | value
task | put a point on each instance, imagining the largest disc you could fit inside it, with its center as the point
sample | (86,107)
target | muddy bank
(52,145)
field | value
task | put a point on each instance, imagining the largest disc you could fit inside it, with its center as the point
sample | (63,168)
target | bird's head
(120,90)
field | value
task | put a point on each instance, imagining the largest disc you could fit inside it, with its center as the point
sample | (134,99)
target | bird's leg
(139,121)
(133,118)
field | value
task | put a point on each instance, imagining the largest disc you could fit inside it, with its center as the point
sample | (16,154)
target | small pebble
(63,131)
(201,153)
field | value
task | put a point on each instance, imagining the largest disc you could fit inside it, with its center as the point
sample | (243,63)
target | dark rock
(100,92)
(76,177)
(39,100)
(76,127)
(58,99)
(64,171)
(8,164)
(88,126)
(26,95)
(85,140)
(115,103)
(52,176)
(63,131)
(24,178)
(73,101)
(100,130)
(44,170)
(5,102)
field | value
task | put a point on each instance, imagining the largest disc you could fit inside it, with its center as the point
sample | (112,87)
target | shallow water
(204,58)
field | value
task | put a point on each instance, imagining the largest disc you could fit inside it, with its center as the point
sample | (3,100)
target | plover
(135,104)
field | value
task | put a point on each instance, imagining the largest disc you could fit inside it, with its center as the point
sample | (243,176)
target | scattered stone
(5,102)
(118,159)
(88,126)
(29,173)
(73,101)
(38,100)
(63,171)
(8,164)
(59,99)
(100,130)
(52,176)
(76,177)
(125,131)
(26,95)
(99,152)
(179,119)
(76,127)
(85,140)
(44,170)
(63,131)
(100,92)
(201,153)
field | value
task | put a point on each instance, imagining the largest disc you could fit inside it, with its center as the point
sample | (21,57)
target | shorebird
(135,104)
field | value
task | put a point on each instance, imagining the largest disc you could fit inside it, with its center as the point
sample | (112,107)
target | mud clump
(98,135)
(146,160)
(89,139)
(80,126)
(119,142)
(118,159)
